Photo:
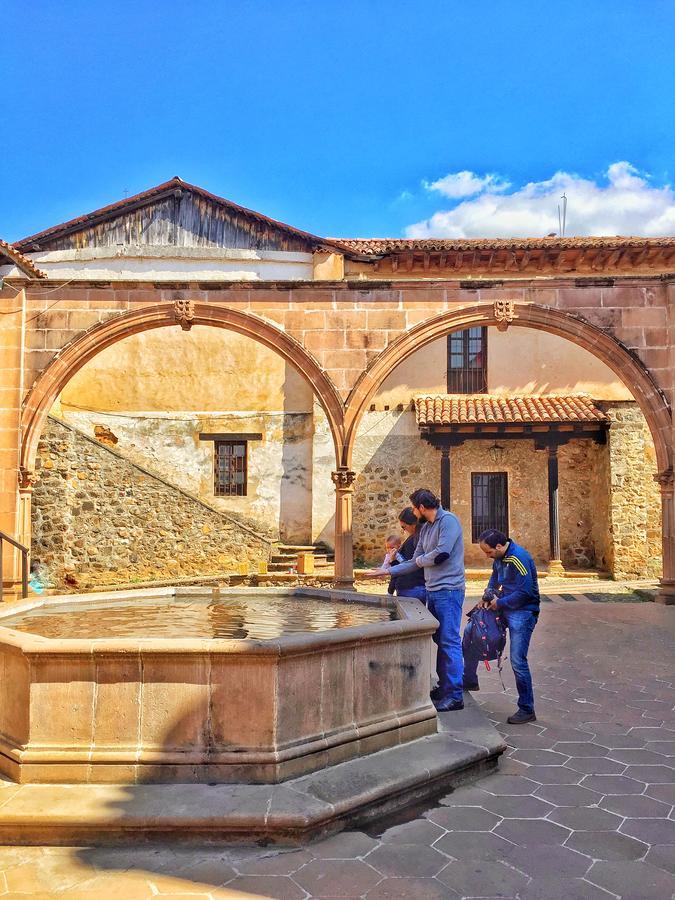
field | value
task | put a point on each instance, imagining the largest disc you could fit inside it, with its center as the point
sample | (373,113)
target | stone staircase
(285,556)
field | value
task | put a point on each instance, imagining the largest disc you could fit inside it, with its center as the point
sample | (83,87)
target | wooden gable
(174,214)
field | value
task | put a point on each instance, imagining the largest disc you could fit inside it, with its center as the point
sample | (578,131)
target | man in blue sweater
(513,591)
(440,555)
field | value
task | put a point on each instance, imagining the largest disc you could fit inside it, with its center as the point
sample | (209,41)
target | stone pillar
(446,493)
(667,592)
(555,565)
(11,389)
(343,480)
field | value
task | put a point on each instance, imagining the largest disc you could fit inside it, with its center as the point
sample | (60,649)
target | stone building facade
(349,316)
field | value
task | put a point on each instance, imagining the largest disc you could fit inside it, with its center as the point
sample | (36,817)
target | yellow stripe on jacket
(517,563)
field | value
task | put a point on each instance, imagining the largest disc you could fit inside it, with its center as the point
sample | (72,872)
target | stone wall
(634,547)
(100,519)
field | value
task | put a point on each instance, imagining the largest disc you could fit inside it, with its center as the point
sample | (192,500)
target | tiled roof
(475,409)
(22,262)
(379,246)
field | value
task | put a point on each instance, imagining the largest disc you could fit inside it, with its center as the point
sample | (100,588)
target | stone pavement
(582,807)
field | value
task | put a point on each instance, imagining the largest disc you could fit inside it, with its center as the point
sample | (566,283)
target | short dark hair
(424,497)
(407,516)
(492,538)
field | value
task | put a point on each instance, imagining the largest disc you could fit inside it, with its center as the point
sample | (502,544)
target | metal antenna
(562,217)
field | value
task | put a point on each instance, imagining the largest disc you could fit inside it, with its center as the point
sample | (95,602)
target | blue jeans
(419,593)
(446,606)
(520,623)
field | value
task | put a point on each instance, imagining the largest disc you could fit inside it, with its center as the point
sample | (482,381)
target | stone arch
(86,346)
(606,348)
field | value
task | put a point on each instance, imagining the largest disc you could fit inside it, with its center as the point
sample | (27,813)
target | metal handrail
(24,563)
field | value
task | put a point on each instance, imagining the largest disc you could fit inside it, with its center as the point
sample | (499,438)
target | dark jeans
(521,624)
(419,593)
(446,606)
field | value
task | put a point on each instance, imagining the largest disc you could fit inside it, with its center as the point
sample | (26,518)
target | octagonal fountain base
(131,710)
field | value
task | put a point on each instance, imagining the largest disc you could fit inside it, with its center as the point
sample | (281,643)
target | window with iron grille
(229,469)
(467,361)
(489,503)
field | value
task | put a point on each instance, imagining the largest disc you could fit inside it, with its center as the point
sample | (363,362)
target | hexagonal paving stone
(473,845)
(596,765)
(522,807)
(586,818)
(541,757)
(336,878)
(568,795)
(406,860)
(421,831)
(464,818)
(651,774)
(464,797)
(554,775)
(663,792)
(580,748)
(613,784)
(276,886)
(606,845)
(662,856)
(274,864)
(532,832)
(638,806)
(628,740)
(663,748)
(512,785)
(633,880)
(409,889)
(346,845)
(652,831)
(558,888)
(482,878)
(560,862)
(636,756)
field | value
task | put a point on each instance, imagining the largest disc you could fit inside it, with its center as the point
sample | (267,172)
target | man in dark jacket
(513,591)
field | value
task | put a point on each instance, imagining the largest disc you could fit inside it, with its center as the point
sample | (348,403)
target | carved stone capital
(343,479)
(505,313)
(184,311)
(27,479)
(665,479)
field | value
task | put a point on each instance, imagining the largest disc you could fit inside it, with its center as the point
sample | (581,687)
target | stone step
(346,795)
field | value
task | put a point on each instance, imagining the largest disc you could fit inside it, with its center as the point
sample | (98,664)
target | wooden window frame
(467,380)
(221,490)
(477,528)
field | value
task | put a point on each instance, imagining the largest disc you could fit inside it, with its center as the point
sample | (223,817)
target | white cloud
(464,184)
(627,204)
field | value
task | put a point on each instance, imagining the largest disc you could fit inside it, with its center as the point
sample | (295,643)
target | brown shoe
(520,718)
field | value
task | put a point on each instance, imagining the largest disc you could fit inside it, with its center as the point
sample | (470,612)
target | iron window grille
(467,361)
(230,469)
(489,503)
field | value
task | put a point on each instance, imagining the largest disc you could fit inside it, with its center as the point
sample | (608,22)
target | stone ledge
(302,809)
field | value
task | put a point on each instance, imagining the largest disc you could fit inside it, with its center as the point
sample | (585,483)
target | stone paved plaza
(582,807)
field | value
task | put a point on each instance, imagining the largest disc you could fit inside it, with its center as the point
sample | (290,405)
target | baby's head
(393,542)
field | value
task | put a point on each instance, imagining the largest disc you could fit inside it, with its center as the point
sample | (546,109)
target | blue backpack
(485,636)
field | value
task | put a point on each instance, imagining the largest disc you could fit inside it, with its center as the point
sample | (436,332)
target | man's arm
(449,532)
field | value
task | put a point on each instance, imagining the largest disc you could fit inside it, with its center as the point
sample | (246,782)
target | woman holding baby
(412,583)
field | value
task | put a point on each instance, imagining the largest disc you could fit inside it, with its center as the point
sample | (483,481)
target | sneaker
(520,718)
(449,706)
(471,687)
(436,693)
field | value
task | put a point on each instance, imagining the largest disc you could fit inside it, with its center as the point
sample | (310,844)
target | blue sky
(345,118)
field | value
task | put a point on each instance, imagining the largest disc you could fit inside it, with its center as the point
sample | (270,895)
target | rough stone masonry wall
(99,519)
(634,541)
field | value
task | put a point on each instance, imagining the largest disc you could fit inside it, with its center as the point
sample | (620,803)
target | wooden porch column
(555,565)
(667,592)
(446,495)
(343,480)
